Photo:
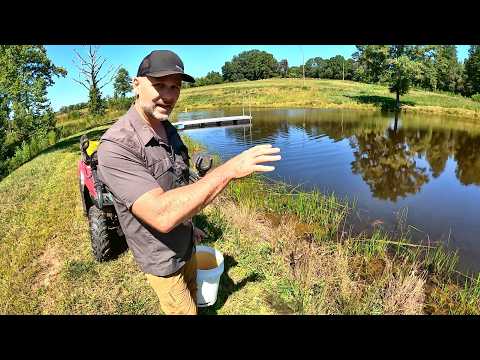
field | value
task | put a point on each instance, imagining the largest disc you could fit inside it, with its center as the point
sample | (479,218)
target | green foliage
(75,114)
(472,71)
(448,69)
(119,103)
(399,66)
(476,97)
(372,62)
(29,150)
(250,65)
(438,67)
(25,74)
(122,84)
(336,67)
(96,105)
(212,78)
(295,72)
(402,71)
(69,108)
(3,137)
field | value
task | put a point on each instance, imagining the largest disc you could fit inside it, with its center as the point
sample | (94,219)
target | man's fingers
(259,147)
(263,168)
(266,158)
(268,151)
(263,146)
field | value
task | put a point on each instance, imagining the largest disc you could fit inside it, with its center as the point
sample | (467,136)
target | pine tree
(472,71)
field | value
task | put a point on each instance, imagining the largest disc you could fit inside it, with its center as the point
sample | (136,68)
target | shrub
(476,97)
(75,114)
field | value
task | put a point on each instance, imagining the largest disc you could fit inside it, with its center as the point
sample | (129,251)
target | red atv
(106,233)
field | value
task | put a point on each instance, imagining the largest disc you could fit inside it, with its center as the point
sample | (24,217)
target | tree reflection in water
(386,157)
(387,164)
(387,160)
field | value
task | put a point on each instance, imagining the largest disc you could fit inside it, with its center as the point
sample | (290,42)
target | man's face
(157,96)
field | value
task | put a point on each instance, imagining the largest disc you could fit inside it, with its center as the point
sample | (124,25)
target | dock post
(249,106)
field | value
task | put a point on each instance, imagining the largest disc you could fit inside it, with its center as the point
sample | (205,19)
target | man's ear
(135,85)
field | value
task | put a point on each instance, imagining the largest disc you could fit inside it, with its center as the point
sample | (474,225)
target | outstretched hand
(248,161)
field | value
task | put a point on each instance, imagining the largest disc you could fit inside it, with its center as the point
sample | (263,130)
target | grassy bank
(323,94)
(285,252)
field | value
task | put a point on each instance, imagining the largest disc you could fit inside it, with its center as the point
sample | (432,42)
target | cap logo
(178,67)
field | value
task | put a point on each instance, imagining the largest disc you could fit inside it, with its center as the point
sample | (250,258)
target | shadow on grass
(385,103)
(73,144)
(213,231)
(227,286)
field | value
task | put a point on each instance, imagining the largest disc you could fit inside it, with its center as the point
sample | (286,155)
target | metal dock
(213,122)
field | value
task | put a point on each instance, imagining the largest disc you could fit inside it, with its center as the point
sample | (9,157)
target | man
(144,164)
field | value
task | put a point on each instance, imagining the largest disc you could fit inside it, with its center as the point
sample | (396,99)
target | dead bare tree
(90,78)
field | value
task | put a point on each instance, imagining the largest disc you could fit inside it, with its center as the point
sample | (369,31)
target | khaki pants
(177,292)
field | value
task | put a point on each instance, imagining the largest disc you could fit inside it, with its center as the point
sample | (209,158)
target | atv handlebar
(203,162)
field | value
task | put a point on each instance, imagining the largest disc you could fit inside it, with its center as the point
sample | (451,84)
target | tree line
(434,68)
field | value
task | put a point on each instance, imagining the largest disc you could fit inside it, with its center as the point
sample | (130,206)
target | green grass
(322,94)
(285,252)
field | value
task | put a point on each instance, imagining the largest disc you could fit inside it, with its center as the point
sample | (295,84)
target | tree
(313,67)
(295,72)
(90,78)
(122,84)
(336,67)
(231,71)
(26,72)
(403,68)
(371,62)
(250,65)
(212,78)
(472,71)
(3,137)
(447,67)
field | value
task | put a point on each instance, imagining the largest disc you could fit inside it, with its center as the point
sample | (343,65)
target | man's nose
(167,96)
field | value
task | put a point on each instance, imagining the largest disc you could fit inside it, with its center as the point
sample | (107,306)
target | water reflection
(387,164)
(385,149)
(429,165)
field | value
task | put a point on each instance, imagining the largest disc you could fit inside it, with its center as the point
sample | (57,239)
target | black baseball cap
(162,63)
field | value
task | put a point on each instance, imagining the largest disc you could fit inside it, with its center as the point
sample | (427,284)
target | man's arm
(164,210)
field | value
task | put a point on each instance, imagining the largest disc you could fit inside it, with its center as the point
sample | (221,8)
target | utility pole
(303,62)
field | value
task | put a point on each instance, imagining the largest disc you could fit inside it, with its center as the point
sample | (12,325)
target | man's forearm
(177,205)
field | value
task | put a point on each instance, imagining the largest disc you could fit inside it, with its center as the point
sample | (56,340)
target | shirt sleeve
(124,173)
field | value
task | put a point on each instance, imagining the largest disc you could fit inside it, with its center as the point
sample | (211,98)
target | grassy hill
(323,94)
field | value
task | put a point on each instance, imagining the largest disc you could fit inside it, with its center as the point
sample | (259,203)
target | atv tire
(102,238)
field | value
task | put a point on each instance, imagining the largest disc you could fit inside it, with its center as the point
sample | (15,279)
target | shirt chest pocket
(163,172)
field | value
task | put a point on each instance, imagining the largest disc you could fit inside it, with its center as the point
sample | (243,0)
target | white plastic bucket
(208,280)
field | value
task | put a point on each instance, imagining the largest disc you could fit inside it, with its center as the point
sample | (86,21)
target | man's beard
(152,111)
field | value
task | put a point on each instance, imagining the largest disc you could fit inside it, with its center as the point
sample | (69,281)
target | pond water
(419,173)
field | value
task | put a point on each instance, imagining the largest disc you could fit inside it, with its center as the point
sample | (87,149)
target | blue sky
(198,61)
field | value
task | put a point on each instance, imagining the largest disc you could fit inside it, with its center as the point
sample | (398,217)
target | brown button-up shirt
(132,160)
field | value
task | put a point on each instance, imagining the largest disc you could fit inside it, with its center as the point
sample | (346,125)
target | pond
(416,173)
